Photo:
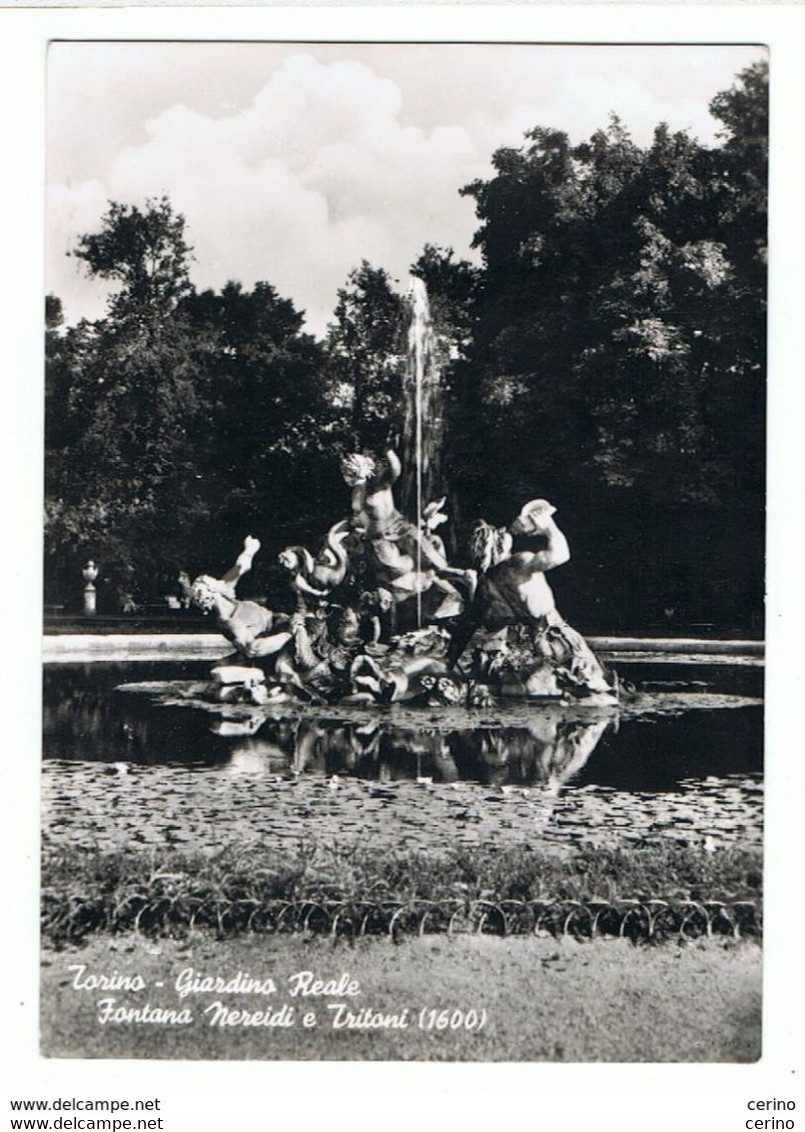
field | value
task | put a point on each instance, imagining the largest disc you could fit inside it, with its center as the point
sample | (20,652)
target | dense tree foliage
(608,353)
(130,388)
(179,422)
(366,347)
(613,375)
(268,414)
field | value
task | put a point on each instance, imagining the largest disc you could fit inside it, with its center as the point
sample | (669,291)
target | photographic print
(404,551)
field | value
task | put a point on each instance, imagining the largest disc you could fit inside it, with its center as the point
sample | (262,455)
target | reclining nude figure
(254,630)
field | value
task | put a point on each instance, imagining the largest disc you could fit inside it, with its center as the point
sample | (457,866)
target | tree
(128,454)
(741,173)
(618,353)
(145,251)
(272,410)
(57,372)
(366,351)
(181,421)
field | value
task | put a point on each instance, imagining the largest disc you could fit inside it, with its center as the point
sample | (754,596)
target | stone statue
(397,676)
(318,577)
(405,559)
(325,644)
(255,631)
(433,516)
(507,636)
(513,637)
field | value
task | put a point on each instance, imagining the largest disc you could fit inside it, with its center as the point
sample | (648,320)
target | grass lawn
(165,892)
(542,999)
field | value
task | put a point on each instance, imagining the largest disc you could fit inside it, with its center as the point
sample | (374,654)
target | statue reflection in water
(546,752)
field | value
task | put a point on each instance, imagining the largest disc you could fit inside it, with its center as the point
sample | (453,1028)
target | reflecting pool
(685,762)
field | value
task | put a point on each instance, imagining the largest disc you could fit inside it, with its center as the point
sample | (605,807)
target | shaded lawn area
(545,999)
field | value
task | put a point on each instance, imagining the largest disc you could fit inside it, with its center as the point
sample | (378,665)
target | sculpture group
(382,616)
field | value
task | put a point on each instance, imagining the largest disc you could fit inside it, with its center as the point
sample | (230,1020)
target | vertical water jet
(423,424)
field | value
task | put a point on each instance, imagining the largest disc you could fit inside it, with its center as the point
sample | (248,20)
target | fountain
(400,709)
(382,616)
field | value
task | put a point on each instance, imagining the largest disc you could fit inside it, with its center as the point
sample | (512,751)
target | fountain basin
(142,762)
(87,647)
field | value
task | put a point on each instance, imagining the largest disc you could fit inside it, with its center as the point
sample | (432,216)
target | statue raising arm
(371,481)
(394,466)
(536,520)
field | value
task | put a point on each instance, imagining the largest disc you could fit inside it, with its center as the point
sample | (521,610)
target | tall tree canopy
(366,347)
(606,356)
(145,251)
(179,422)
(132,393)
(269,411)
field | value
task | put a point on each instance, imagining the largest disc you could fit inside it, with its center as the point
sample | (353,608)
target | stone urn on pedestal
(89,574)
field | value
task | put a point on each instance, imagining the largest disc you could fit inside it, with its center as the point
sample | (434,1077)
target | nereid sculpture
(498,634)
(381,615)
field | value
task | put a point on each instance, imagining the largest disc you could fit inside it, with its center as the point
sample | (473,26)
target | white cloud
(316,173)
(292,165)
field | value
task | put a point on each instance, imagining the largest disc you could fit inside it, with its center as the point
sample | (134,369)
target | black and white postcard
(405,470)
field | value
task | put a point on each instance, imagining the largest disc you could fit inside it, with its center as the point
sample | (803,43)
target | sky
(293,162)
